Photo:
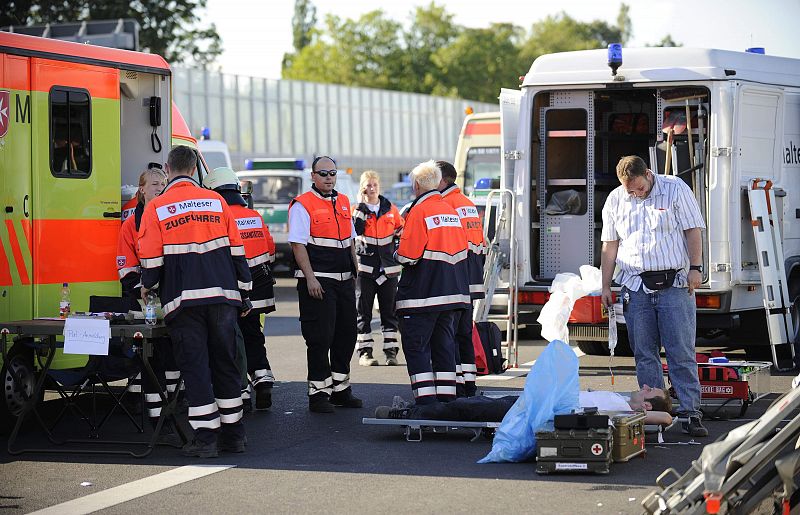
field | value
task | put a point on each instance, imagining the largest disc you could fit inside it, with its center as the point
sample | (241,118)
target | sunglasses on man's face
(325,173)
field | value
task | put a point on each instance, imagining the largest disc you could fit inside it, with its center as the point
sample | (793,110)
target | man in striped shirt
(651,231)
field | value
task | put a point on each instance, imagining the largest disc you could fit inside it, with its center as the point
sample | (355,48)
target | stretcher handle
(661,479)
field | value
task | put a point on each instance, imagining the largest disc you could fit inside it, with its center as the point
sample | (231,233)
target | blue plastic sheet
(550,389)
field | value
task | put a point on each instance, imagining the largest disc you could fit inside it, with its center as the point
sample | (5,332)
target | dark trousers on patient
(472,409)
(329,328)
(429,348)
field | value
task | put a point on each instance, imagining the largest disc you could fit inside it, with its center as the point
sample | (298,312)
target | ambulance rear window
(70,133)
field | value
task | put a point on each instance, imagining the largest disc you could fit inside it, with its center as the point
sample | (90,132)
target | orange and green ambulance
(77,122)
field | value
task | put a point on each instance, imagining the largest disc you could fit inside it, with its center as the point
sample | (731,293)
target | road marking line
(140,488)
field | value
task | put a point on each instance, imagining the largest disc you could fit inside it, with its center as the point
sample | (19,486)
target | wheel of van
(592,348)
(20,360)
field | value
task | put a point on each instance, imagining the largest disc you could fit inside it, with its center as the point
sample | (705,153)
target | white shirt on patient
(603,401)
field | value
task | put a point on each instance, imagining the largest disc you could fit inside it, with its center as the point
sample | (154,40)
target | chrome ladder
(767,233)
(502,255)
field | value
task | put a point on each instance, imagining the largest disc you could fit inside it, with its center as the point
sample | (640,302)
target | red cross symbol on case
(597,449)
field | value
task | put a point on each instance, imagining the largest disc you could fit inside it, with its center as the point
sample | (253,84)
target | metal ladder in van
(767,233)
(502,255)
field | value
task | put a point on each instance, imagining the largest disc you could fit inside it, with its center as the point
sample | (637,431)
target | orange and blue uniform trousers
(130,275)
(191,251)
(259,250)
(328,325)
(432,287)
(377,270)
(466,371)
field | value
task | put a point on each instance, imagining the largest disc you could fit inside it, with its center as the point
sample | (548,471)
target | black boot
(320,403)
(345,399)
(263,395)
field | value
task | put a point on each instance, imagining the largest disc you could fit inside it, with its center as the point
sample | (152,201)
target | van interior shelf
(566,182)
(567,134)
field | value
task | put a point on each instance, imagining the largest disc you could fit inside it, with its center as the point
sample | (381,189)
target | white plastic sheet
(564,291)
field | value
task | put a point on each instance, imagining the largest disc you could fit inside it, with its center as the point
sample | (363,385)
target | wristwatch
(699,268)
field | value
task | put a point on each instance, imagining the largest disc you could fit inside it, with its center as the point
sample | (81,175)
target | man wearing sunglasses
(321,234)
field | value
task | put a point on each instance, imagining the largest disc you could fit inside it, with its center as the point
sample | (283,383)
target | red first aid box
(727,389)
(589,310)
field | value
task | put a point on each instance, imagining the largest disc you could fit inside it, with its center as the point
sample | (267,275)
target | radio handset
(155,122)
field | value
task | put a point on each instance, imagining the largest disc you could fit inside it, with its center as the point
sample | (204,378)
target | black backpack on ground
(490,339)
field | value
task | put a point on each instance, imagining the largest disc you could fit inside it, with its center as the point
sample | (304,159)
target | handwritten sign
(86,336)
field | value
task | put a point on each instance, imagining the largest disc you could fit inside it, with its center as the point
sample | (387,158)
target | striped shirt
(651,230)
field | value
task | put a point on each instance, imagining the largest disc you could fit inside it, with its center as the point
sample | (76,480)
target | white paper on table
(86,336)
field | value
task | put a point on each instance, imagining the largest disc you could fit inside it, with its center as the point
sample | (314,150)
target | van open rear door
(16,267)
(510,103)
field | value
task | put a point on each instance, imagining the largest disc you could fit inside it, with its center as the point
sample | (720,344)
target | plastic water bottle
(64,305)
(150,314)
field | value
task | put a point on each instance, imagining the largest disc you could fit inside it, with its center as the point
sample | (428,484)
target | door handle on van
(25,206)
(9,209)
(112,214)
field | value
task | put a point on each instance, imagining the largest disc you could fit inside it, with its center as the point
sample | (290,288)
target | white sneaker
(366,359)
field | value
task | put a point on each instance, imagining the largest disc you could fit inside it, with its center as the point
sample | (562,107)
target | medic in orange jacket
(433,252)
(259,250)
(330,239)
(376,235)
(128,267)
(190,249)
(471,222)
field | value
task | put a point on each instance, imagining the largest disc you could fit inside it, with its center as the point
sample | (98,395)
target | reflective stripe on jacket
(433,252)
(376,237)
(330,233)
(471,222)
(190,248)
(259,250)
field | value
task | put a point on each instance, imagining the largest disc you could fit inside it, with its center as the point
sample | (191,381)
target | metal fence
(362,128)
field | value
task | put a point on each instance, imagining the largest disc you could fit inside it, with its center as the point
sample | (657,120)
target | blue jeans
(666,317)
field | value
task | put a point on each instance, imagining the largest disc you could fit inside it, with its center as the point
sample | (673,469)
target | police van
(275,182)
(77,122)
(717,119)
(215,152)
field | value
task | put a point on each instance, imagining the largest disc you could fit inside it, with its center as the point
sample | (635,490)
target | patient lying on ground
(656,404)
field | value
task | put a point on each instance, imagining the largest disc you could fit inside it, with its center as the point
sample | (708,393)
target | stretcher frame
(413,428)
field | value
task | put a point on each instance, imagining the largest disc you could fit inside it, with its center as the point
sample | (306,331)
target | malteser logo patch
(188,206)
(121,260)
(436,221)
(468,212)
(253,222)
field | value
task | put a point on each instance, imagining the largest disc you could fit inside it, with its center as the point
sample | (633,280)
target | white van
(215,152)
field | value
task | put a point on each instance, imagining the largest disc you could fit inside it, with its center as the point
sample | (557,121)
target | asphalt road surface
(301,462)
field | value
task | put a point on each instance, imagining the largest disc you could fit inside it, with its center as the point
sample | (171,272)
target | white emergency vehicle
(719,120)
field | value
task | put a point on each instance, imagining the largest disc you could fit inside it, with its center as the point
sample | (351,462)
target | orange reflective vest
(330,233)
(471,222)
(433,252)
(259,250)
(128,260)
(376,237)
(190,248)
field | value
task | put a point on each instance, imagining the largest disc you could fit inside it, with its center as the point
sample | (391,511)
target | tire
(20,359)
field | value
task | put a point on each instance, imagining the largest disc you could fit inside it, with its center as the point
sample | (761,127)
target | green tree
(431,28)
(303,23)
(169,29)
(562,33)
(624,24)
(480,62)
(665,41)
(364,52)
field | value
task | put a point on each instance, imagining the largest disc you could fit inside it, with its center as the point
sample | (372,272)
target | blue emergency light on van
(274,164)
(484,183)
(614,57)
(205,133)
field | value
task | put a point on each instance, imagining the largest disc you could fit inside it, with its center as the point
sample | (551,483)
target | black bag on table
(490,339)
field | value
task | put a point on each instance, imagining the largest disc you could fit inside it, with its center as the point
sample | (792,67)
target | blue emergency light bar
(205,133)
(614,57)
(274,164)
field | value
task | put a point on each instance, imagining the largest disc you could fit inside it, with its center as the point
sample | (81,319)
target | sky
(256,33)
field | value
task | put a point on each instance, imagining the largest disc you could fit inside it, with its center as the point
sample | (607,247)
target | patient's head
(651,399)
